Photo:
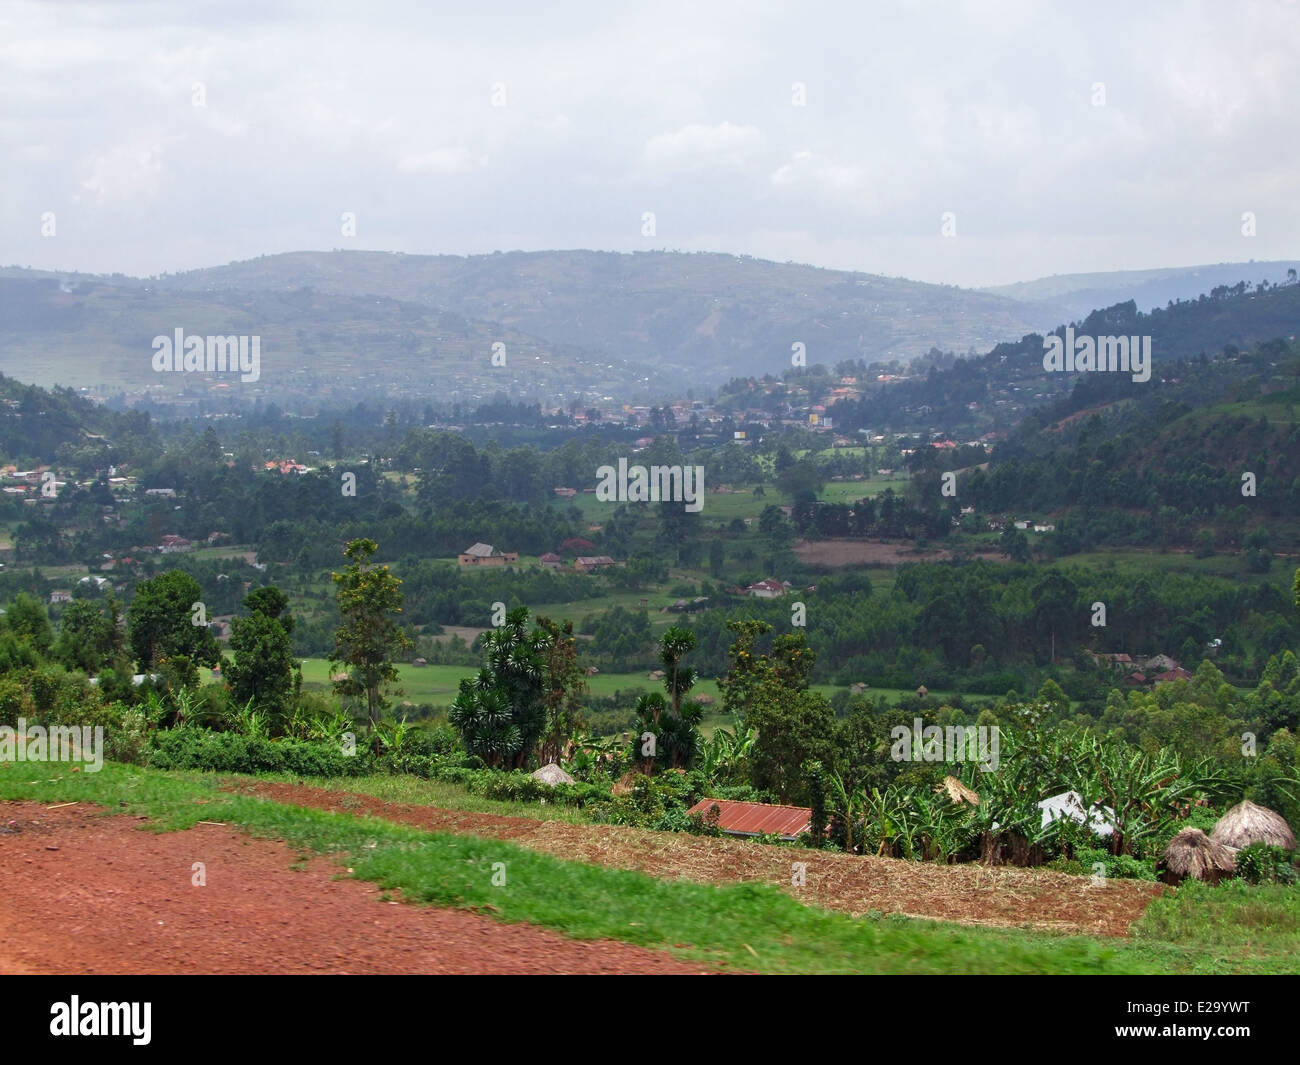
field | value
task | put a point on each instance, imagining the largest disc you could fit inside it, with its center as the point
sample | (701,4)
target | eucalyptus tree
(370,637)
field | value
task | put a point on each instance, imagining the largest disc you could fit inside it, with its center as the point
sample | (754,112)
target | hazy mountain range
(569,324)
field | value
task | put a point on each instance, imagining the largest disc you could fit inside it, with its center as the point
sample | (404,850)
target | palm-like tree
(501,712)
(674,723)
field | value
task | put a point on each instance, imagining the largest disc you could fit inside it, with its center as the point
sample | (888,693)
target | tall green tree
(769,692)
(678,536)
(674,722)
(27,620)
(263,668)
(1054,599)
(793,727)
(90,636)
(370,638)
(745,672)
(801,480)
(502,712)
(161,621)
(1015,545)
(717,558)
(565,685)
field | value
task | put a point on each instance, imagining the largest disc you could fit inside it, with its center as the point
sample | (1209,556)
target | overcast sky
(686,110)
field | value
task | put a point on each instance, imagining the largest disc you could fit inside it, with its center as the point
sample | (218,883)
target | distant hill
(1009,380)
(1066,297)
(346,326)
(38,425)
(316,346)
(372,323)
(1167,462)
(710,314)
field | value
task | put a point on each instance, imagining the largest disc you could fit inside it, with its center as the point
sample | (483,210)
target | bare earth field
(86,893)
(872,552)
(965,894)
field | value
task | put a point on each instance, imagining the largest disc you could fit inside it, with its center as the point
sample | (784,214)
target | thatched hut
(1247,823)
(1193,853)
(552,774)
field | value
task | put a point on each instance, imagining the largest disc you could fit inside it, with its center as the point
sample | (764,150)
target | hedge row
(230,752)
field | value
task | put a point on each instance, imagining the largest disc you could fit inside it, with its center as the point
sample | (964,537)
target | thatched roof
(1247,823)
(1193,853)
(958,792)
(552,774)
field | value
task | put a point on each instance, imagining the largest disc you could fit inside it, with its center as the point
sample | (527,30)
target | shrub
(516,786)
(704,823)
(127,731)
(1115,866)
(228,752)
(1261,864)
(439,740)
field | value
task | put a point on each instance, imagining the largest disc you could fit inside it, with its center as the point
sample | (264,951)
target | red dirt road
(84,893)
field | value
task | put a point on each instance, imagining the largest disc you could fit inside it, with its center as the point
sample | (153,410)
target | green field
(1231,567)
(438,684)
(719,507)
(852,491)
(743,503)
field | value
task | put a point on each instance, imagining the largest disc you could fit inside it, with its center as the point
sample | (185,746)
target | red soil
(87,893)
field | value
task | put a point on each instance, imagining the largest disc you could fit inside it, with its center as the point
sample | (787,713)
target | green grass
(423,684)
(894,694)
(742,926)
(581,609)
(1231,567)
(420,792)
(1234,925)
(852,491)
(438,685)
(717,507)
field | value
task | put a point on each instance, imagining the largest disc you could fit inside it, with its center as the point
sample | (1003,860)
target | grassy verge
(744,926)
(1234,927)
(417,791)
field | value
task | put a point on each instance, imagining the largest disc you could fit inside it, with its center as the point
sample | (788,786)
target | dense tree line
(992,625)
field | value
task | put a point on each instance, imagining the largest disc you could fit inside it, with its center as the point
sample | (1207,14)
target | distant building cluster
(1141,672)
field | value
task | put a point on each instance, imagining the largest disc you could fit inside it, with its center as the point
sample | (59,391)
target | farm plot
(960,894)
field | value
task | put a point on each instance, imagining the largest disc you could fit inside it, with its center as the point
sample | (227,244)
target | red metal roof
(751,818)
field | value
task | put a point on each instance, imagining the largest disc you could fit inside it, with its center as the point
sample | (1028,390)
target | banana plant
(890,819)
(250,721)
(845,805)
(943,827)
(1143,792)
(331,728)
(188,708)
(724,757)
(393,737)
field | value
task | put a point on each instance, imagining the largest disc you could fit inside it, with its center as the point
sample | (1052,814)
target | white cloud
(809,168)
(125,172)
(681,108)
(696,145)
(458,160)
